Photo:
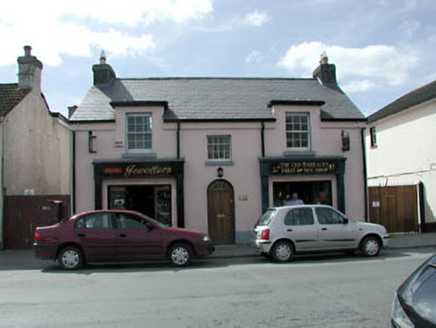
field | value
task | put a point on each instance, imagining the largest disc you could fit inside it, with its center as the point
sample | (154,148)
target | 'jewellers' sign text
(135,171)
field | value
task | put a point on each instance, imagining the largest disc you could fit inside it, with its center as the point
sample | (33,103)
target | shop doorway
(151,200)
(221,212)
(310,192)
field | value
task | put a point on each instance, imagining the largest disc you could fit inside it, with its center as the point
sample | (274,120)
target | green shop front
(316,180)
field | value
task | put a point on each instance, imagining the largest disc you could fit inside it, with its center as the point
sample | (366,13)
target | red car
(116,235)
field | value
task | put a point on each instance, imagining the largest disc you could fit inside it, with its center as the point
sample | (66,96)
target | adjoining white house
(401,151)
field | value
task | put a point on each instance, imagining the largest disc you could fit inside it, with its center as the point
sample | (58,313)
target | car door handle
(289,229)
(81,235)
(324,229)
(122,235)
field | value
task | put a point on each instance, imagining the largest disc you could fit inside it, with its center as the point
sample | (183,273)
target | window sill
(289,153)
(212,162)
(143,154)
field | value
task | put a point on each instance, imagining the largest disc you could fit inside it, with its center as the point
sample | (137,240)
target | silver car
(283,231)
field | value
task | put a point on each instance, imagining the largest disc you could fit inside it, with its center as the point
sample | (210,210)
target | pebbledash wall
(222,197)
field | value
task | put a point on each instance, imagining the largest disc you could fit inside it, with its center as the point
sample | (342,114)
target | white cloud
(254,57)
(54,28)
(256,18)
(376,64)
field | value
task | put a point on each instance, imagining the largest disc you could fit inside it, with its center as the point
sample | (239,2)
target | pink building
(213,153)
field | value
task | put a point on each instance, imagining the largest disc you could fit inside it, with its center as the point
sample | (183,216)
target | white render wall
(406,152)
(244,174)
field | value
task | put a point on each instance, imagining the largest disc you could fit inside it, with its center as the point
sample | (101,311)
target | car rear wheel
(180,255)
(370,246)
(71,258)
(282,251)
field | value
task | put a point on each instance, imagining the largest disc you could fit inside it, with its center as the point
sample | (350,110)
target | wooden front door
(221,213)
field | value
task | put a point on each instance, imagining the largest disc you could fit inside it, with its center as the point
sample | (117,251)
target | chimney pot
(27,51)
(103,72)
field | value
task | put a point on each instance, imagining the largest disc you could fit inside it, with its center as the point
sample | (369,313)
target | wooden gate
(221,213)
(395,207)
(24,213)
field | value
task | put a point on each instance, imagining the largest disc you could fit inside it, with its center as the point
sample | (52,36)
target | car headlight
(399,317)
(206,238)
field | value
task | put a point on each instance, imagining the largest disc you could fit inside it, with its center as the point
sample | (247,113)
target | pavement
(24,259)
(396,241)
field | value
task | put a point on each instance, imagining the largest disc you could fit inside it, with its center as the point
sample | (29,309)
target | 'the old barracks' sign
(305,167)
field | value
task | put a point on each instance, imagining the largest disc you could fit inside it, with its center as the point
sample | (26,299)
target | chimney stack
(103,73)
(325,72)
(29,70)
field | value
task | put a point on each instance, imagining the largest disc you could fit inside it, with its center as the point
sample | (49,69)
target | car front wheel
(180,255)
(282,251)
(370,246)
(70,258)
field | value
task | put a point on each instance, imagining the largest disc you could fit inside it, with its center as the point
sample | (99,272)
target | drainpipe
(262,135)
(365,174)
(73,177)
(178,140)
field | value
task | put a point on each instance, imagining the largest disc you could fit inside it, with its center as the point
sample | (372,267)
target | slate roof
(215,98)
(10,96)
(413,98)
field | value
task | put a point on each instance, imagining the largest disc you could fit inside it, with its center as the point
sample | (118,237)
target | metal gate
(395,207)
(24,213)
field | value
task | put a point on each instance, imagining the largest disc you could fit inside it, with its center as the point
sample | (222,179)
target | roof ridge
(215,78)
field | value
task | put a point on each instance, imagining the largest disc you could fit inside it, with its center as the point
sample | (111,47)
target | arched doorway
(221,212)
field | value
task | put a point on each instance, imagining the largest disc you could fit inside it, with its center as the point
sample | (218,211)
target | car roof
(299,206)
(105,211)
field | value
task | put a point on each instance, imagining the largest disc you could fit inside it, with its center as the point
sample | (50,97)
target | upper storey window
(219,147)
(139,126)
(298,131)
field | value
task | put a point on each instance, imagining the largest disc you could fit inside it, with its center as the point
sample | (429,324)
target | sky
(382,49)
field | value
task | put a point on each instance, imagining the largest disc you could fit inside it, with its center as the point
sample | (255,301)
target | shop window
(310,192)
(373,137)
(298,131)
(219,148)
(153,201)
(139,132)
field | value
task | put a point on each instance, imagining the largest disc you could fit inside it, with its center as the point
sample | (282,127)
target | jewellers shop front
(317,180)
(151,187)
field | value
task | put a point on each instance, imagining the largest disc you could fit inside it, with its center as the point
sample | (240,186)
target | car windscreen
(266,218)
(420,293)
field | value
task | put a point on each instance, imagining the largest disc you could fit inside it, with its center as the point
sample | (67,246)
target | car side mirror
(346,221)
(149,226)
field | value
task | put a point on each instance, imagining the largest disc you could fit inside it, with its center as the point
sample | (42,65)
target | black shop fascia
(152,200)
(318,191)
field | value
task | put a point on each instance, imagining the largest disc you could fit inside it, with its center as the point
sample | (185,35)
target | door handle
(289,230)
(81,235)
(324,229)
(123,235)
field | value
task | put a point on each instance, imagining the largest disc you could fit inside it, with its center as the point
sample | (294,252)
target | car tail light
(37,237)
(45,239)
(264,235)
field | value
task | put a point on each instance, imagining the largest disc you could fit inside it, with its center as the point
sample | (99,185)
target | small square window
(219,147)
